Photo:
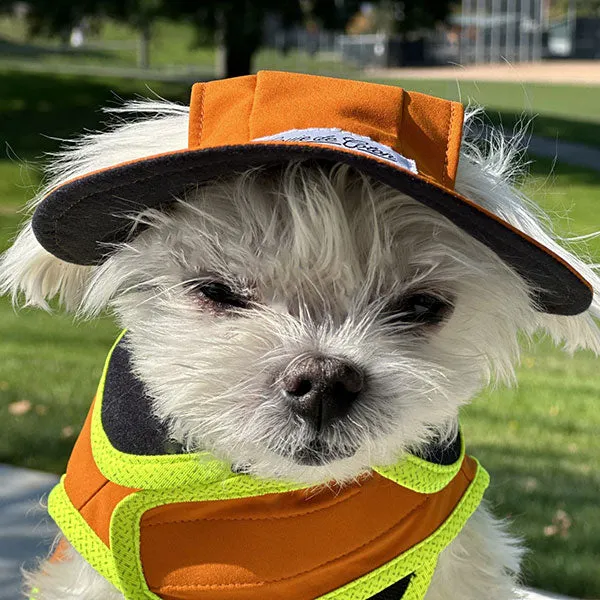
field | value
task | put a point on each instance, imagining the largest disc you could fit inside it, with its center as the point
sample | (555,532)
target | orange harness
(250,540)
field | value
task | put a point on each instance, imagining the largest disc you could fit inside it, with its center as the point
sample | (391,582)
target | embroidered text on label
(344,139)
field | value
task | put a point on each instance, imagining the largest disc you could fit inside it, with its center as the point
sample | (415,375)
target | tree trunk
(242,30)
(144,45)
(238,60)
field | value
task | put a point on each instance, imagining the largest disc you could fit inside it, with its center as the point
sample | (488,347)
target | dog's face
(308,323)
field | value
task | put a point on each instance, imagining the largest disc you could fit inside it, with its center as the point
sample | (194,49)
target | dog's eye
(419,309)
(218,292)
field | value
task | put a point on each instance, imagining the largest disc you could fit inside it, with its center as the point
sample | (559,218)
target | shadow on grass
(555,508)
(37,108)
(549,126)
(544,167)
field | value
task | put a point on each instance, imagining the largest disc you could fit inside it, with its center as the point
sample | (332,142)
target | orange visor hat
(406,140)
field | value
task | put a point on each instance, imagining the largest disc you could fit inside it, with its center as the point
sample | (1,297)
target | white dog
(255,283)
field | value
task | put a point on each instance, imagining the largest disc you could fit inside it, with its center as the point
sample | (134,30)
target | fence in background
(478,32)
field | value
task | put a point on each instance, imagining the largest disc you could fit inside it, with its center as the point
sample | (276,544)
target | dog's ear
(32,276)
(487,172)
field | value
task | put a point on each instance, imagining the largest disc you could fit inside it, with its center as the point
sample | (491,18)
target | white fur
(321,253)
(70,578)
(482,562)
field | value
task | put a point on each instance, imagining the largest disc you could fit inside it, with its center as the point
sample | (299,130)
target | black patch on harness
(126,413)
(395,591)
(442,453)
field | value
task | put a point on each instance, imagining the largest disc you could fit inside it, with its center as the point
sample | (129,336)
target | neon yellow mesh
(421,559)
(422,476)
(147,472)
(80,535)
(171,471)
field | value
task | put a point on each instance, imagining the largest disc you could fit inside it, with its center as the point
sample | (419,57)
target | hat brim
(79,220)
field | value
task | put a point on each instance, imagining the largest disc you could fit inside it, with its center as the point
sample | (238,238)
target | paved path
(535,595)
(26,532)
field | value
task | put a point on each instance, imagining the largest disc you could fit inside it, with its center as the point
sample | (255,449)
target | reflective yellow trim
(148,472)
(421,559)
(80,535)
(125,522)
(421,476)
(170,471)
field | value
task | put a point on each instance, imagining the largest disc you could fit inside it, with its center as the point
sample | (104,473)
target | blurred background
(61,61)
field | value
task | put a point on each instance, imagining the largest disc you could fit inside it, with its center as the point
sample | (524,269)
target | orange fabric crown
(407,140)
(242,110)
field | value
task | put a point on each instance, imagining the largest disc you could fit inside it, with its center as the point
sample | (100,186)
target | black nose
(322,389)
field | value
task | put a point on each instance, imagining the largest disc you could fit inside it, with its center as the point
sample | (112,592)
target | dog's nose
(322,389)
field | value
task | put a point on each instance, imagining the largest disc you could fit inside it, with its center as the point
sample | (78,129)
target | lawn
(539,441)
(564,112)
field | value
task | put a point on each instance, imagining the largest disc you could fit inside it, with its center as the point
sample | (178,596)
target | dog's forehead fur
(316,233)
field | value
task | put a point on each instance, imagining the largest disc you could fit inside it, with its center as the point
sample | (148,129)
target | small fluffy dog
(253,282)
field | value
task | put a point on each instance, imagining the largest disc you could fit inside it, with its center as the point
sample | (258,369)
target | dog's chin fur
(324,258)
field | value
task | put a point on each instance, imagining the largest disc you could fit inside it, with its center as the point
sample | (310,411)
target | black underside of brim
(79,221)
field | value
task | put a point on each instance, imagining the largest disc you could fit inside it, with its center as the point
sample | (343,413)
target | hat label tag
(343,139)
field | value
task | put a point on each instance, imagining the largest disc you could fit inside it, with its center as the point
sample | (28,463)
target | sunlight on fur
(325,261)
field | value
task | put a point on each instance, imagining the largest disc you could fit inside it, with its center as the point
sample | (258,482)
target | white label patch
(343,139)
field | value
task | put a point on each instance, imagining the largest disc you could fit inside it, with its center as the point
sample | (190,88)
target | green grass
(564,112)
(114,43)
(45,359)
(540,441)
(540,444)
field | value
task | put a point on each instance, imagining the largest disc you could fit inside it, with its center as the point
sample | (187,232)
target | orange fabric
(431,134)
(236,111)
(220,110)
(272,546)
(80,488)
(60,551)
(94,496)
